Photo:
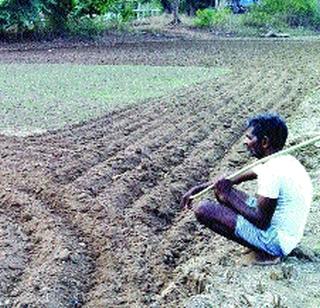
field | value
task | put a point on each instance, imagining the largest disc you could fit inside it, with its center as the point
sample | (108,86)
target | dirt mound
(90,215)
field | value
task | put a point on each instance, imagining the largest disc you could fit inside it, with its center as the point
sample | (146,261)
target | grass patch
(38,97)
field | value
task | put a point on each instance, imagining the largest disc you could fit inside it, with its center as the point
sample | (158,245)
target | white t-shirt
(285,179)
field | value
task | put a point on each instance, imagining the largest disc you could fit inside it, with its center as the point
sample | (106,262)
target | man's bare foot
(247,251)
(259,258)
(263,258)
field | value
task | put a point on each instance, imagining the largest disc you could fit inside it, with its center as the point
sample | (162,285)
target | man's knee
(203,210)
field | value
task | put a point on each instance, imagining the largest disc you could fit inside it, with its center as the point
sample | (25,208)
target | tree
(166,6)
(19,17)
(175,9)
(57,12)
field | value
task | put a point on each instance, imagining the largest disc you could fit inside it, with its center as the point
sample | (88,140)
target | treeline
(88,18)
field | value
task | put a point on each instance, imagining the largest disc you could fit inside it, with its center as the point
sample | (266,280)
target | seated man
(272,223)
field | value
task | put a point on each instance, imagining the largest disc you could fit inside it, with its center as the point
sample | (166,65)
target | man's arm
(186,201)
(260,216)
(248,176)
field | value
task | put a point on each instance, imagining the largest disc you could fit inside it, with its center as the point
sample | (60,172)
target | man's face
(253,144)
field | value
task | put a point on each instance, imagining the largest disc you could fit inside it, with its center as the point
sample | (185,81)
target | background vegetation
(263,15)
(90,18)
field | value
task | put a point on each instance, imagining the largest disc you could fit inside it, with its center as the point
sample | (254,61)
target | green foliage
(277,14)
(20,17)
(256,18)
(85,18)
(291,12)
(88,19)
(204,18)
(123,10)
(298,7)
(92,7)
(57,12)
(94,16)
(38,17)
(86,26)
(192,6)
(151,4)
(212,17)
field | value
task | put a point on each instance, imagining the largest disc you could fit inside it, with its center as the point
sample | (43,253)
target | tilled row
(45,260)
(164,198)
(191,136)
(155,206)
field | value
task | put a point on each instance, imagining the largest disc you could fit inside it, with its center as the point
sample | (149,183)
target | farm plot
(90,214)
(50,96)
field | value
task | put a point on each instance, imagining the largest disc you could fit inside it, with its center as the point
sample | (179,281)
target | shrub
(86,26)
(297,7)
(211,17)
(148,6)
(124,11)
(56,13)
(33,18)
(92,7)
(256,18)
(292,12)
(204,18)
(20,17)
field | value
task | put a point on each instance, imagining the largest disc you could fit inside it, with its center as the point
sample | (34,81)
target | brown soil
(90,213)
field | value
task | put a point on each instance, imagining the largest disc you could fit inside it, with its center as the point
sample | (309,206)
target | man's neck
(270,151)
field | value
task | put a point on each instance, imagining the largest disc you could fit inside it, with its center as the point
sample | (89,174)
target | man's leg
(223,221)
(220,219)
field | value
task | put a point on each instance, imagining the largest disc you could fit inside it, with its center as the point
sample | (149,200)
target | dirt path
(93,209)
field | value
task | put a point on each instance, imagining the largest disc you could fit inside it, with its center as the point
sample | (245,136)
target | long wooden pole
(261,161)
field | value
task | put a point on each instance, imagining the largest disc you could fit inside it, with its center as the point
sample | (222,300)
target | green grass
(38,97)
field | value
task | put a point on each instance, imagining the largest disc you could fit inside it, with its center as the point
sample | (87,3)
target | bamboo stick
(258,162)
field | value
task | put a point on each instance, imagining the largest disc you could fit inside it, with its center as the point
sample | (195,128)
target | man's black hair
(269,125)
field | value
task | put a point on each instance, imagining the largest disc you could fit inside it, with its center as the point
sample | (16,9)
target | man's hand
(222,190)
(185,200)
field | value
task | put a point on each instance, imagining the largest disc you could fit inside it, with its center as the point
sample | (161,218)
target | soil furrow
(48,243)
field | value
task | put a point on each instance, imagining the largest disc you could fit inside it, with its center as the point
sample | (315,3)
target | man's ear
(265,142)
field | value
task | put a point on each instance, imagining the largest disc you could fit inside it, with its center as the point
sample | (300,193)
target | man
(272,223)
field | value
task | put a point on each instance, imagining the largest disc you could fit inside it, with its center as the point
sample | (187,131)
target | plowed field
(90,213)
